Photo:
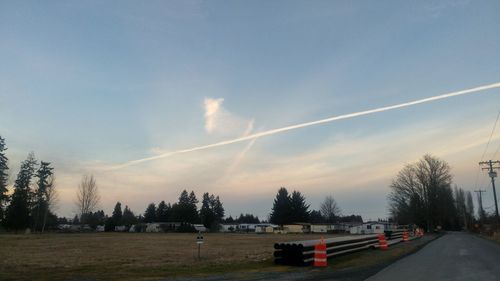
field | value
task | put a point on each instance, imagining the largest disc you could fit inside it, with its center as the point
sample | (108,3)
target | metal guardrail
(301,253)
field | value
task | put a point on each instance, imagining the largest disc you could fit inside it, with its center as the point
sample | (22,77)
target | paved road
(455,256)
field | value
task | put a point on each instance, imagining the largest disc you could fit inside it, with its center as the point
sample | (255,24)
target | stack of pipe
(394,237)
(301,253)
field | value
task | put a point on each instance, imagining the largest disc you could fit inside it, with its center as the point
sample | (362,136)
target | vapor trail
(307,124)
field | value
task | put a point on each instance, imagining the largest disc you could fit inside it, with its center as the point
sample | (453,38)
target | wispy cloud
(212,113)
(437,8)
(222,122)
(242,153)
(312,123)
(333,165)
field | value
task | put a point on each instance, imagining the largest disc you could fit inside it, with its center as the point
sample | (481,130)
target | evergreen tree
(229,220)
(281,208)
(185,210)
(460,208)
(316,217)
(3,178)
(444,212)
(299,210)
(207,214)
(184,198)
(93,219)
(469,206)
(18,212)
(150,213)
(163,212)
(192,199)
(351,219)
(218,210)
(128,217)
(43,174)
(192,215)
(212,211)
(117,215)
(247,218)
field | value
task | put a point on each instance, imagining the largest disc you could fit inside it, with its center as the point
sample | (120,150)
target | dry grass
(128,256)
(495,237)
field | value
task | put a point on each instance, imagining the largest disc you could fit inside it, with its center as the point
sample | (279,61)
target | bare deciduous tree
(51,197)
(421,194)
(87,197)
(329,209)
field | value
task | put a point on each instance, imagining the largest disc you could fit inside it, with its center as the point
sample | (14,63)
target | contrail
(312,123)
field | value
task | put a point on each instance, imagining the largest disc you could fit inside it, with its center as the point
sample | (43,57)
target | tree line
(185,211)
(34,198)
(292,208)
(32,202)
(422,194)
(287,209)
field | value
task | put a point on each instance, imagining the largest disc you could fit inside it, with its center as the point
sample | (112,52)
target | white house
(389,225)
(121,228)
(297,228)
(247,227)
(153,227)
(320,228)
(265,228)
(200,227)
(75,227)
(64,226)
(368,228)
(228,227)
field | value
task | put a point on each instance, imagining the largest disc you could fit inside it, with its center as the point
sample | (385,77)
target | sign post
(199,241)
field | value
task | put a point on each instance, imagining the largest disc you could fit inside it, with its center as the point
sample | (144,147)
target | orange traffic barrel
(382,242)
(320,258)
(405,236)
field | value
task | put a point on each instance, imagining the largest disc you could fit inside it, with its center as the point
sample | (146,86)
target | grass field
(160,256)
(132,256)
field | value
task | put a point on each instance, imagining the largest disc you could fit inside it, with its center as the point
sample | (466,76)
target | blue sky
(88,85)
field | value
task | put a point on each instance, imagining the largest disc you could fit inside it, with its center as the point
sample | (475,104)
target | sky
(94,86)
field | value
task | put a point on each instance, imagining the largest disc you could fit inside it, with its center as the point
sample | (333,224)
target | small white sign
(199,240)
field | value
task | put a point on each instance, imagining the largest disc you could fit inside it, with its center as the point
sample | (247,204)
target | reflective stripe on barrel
(320,258)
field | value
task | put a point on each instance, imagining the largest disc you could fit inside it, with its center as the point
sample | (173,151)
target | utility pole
(480,203)
(491,166)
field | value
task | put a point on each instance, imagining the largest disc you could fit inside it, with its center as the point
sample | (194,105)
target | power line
(495,154)
(486,149)
(477,177)
(491,135)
